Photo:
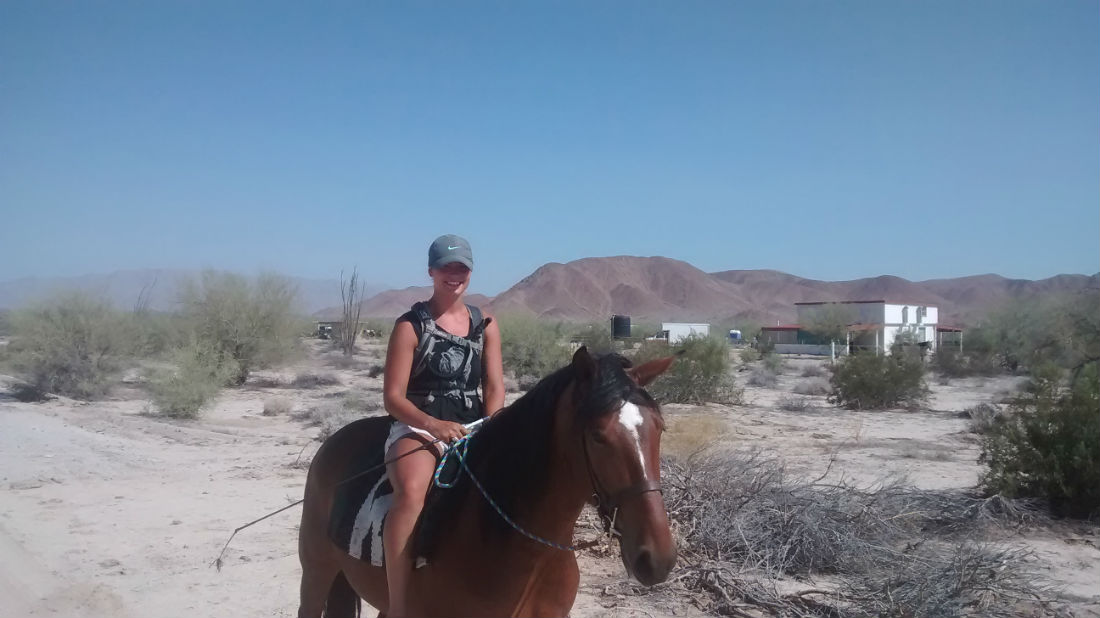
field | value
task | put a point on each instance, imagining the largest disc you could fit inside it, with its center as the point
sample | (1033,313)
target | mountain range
(594,289)
(664,289)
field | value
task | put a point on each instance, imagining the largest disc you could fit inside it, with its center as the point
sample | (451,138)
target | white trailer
(675,332)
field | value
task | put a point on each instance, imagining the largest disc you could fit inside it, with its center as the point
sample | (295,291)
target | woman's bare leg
(410,477)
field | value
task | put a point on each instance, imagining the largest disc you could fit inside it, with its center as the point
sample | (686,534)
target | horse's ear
(584,367)
(647,372)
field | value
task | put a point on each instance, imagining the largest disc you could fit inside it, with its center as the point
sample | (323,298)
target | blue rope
(458,448)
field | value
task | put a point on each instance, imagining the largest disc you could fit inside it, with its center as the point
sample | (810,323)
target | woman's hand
(446,431)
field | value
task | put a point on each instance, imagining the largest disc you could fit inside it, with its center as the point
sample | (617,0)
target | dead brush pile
(755,542)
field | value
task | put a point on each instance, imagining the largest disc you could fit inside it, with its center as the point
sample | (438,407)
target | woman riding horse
(439,353)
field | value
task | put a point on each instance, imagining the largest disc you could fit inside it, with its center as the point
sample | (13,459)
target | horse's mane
(511,454)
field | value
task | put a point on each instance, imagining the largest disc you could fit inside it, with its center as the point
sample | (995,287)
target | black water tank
(620,326)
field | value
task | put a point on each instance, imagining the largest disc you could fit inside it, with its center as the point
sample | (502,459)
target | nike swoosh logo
(450,248)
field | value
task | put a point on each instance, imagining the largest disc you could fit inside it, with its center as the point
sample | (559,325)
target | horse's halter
(607,504)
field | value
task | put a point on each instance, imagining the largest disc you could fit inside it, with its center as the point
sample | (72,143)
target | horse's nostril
(649,569)
(645,569)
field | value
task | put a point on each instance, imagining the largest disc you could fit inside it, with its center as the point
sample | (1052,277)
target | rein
(606,506)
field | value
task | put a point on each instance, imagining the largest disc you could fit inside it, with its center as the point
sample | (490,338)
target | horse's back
(339,451)
(331,462)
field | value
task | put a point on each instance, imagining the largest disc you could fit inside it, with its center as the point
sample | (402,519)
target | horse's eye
(599,438)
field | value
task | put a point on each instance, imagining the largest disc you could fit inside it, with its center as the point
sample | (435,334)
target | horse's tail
(342,601)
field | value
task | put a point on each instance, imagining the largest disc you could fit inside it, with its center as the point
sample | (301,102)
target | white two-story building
(876,324)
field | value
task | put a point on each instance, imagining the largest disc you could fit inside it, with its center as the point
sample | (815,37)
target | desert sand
(106,510)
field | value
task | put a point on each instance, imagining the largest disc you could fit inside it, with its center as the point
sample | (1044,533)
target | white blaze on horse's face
(630,417)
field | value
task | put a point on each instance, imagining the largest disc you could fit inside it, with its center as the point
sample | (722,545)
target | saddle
(360,504)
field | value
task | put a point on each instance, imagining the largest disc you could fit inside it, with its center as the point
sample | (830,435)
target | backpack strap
(428,333)
(425,342)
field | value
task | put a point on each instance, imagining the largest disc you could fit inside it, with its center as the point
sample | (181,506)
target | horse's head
(620,434)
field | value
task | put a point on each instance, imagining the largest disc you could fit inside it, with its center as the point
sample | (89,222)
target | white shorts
(399,430)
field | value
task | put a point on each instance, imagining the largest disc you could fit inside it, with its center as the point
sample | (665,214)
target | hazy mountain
(161,285)
(594,289)
(392,303)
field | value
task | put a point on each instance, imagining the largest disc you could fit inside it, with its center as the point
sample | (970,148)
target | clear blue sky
(831,140)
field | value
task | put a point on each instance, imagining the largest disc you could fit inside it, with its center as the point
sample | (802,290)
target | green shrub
(252,322)
(72,344)
(951,363)
(701,374)
(596,337)
(1049,447)
(532,348)
(761,376)
(983,417)
(870,381)
(152,334)
(773,362)
(749,355)
(201,371)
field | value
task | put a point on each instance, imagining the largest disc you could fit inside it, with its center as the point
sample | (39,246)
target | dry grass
(983,416)
(277,406)
(687,435)
(794,404)
(814,371)
(755,542)
(314,380)
(762,377)
(815,386)
(363,401)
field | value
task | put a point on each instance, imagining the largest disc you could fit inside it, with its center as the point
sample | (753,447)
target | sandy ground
(107,511)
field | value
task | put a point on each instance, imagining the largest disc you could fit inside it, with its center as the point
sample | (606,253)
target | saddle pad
(359,508)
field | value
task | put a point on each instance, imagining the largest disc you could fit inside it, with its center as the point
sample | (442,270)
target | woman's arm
(492,380)
(399,358)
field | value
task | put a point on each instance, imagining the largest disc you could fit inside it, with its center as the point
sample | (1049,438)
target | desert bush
(277,406)
(595,336)
(815,386)
(329,417)
(951,363)
(983,417)
(890,549)
(699,375)
(872,382)
(1048,447)
(793,404)
(200,372)
(814,370)
(153,334)
(773,362)
(28,393)
(762,377)
(749,355)
(314,380)
(363,401)
(252,322)
(339,361)
(72,344)
(376,370)
(532,348)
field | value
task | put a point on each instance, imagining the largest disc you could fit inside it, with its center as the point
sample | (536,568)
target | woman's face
(450,279)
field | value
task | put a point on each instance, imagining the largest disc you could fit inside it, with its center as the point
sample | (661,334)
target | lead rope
(458,448)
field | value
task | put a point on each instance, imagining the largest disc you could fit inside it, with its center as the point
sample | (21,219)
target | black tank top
(446,369)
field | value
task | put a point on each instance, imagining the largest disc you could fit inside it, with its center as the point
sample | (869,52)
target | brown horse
(588,431)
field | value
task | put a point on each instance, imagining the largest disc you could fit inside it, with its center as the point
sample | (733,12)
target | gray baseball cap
(450,248)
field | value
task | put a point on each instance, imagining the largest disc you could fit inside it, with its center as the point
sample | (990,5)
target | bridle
(607,504)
